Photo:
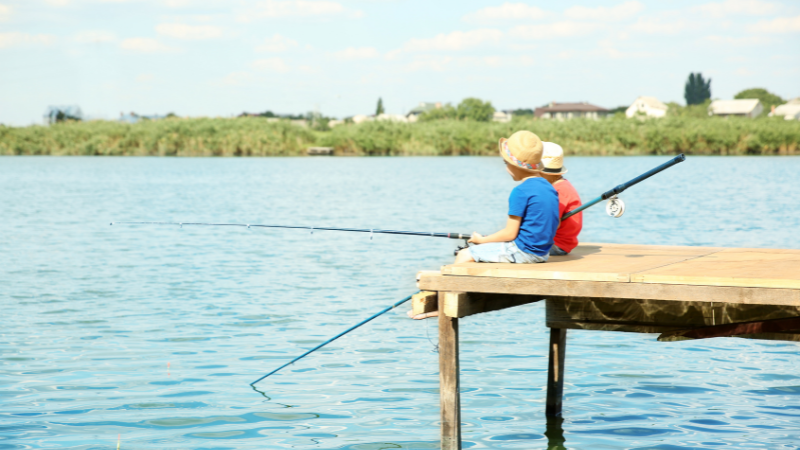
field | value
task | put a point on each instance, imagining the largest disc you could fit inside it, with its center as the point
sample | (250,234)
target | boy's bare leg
(464,256)
(423,315)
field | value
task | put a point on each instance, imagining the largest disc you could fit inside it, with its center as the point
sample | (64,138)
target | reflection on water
(154,334)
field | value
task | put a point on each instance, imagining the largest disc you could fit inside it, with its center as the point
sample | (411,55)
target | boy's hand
(476,238)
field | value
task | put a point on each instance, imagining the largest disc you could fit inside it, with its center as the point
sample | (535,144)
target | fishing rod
(334,338)
(371,231)
(616,207)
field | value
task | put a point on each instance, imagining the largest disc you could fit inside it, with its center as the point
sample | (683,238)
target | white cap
(553,159)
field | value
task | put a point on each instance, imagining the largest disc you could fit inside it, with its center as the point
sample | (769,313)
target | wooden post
(449,395)
(555,372)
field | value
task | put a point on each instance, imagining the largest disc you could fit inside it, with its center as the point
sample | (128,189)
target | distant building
(391,118)
(563,111)
(789,110)
(61,113)
(132,117)
(501,116)
(749,107)
(649,106)
(361,118)
(423,107)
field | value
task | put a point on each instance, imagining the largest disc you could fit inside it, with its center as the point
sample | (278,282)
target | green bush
(254,136)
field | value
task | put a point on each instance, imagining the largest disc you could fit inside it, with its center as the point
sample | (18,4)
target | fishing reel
(461,247)
(615,207)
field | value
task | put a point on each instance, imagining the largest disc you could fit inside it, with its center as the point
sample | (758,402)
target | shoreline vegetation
(255,136)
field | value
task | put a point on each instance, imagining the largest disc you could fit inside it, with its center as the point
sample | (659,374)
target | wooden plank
(594,289)
(735,329)
(555,372)
(449,389)
(659,313)
(460,304)
(768,268)
(424,302)
(588,262)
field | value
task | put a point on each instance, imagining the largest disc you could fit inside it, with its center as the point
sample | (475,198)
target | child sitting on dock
(567,234)
(532,209)
(533,212)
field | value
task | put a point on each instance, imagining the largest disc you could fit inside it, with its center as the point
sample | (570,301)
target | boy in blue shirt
(532,209)
(532,212)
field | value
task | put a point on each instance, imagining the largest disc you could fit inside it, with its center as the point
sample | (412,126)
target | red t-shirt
(567,234)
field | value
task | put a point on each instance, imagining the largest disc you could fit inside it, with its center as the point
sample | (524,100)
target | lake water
(153,334)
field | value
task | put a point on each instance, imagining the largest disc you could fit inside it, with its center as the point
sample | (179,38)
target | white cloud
(506,11)
(57,2)
(618,12)
(276,43)
(430,63)
(779,25)
(654,26)
(144,45)
(352,53)
(95,36)
(5,12)
(554,30)
(744,71)
(238,78)
(272,9)
(737,41)
(14,39)
(745,7)
(271,65)
(145,77)
(188,32)
(457,40)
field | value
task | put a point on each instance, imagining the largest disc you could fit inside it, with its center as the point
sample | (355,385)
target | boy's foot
(427,315)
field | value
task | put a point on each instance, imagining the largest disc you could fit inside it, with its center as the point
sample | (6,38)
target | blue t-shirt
(536,202)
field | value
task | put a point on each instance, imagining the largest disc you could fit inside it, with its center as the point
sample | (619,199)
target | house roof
(425,107)
(787,109)
(568,107)
(651,102)
(743,106)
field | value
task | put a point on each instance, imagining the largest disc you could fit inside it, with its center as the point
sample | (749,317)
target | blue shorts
(503,252)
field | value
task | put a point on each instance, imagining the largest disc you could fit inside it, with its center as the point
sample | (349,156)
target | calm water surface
(153,334)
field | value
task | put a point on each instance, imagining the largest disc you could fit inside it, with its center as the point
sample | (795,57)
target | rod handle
(459,235)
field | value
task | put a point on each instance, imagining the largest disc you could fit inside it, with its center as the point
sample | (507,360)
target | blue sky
(222,57)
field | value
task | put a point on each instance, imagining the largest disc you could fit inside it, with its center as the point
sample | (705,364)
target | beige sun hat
(553,159)
(522,149)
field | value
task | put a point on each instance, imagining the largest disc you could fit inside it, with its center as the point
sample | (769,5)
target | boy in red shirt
(567,234)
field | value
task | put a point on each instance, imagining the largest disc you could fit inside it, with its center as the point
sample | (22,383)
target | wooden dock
(680,292)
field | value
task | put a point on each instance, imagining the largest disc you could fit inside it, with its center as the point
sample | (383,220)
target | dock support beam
(449,394)
(555,372)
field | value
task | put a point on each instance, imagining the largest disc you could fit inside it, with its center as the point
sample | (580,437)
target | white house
(501,116)
(789,110)
(649,106)
(749,107)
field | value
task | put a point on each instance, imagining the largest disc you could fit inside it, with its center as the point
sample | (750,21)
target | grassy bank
(257,137)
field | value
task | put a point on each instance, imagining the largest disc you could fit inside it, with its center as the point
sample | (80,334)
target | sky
(222,57)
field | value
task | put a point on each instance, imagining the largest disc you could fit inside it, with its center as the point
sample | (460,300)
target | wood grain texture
(736,329)
(596,289)
(449,385)
(424,302)
(461,304)
(673,319)
(766,268)
(588,262)
(555,372)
